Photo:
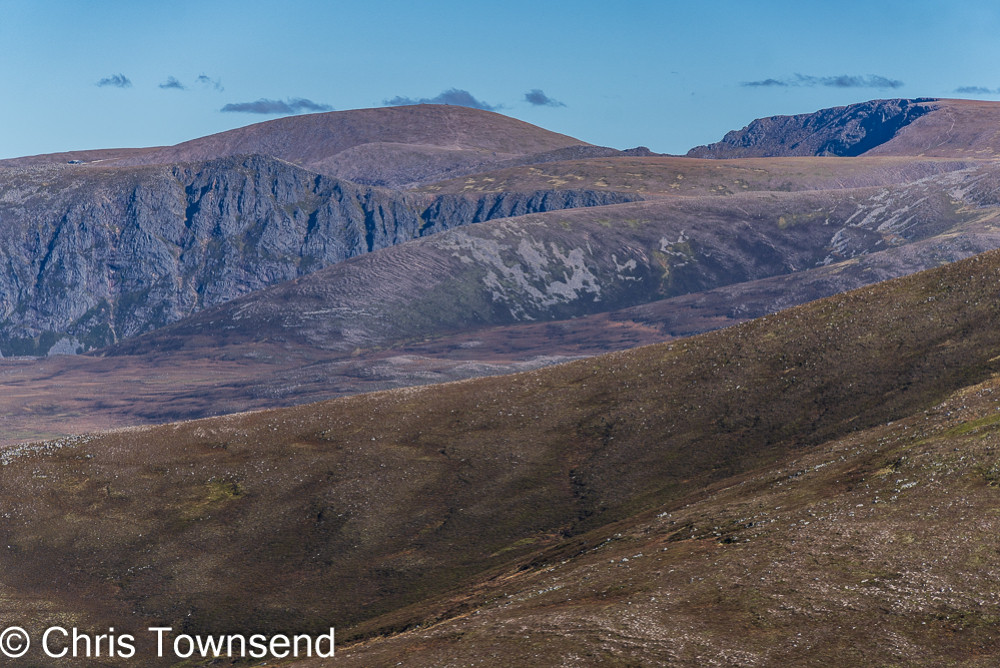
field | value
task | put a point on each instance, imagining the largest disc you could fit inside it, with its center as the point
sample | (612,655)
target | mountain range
(814,483)
(162,268)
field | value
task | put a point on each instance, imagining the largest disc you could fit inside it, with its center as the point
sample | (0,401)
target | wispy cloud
(116,80)
(172,83)
(540,99)
(977,90)
(296,105)
(206,80)
(453,96)
(765,83)
(840,81)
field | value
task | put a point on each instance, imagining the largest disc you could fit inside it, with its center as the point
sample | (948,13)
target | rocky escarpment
(92,255)
(574,263)
(840,131)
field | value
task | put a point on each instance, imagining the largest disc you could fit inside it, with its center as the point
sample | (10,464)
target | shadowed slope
(872,549)
(340,512)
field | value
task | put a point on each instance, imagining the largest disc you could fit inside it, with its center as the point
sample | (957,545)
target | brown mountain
(813,487)
(389,146)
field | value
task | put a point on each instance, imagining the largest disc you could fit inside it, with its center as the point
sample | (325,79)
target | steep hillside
(421,313)
(956,128)
(922,127)
(95,254)
(872,549)
(388,512)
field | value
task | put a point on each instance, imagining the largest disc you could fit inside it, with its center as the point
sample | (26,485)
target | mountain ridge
(816,486)
(922,127)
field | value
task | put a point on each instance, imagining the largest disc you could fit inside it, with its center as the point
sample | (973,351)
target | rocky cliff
(574,263)
(839,131)
(90,255)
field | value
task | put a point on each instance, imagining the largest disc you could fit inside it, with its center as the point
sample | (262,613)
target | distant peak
(838,131)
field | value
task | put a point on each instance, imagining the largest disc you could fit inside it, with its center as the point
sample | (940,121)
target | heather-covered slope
(677,176)
(281,519)
(872,549)
(737,239)
(389,146)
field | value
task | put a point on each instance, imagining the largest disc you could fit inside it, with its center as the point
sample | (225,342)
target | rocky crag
(95,254)
(839,131)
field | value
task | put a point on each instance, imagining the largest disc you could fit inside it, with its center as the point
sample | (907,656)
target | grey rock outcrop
(839,131)
(91,255)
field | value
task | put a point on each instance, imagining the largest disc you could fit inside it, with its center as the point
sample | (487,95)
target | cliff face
(839,131)
(576,263)
(90,255)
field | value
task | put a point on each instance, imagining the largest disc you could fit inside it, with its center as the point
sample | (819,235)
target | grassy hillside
(872,549)
(375,512)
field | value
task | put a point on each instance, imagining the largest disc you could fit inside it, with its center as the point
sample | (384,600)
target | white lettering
(45,642)
(160,630)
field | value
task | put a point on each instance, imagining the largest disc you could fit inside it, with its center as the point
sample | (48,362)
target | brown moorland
(396,516)
(388,146)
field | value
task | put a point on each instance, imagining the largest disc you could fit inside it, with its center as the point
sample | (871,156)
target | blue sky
(668,75)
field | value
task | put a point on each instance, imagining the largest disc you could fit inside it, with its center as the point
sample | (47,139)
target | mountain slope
(388,146)
(678,176)
(871,549)
(563,287)
(436,319)
(845,131)
(380,512)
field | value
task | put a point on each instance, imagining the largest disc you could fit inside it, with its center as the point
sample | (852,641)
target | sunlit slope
(387,146)
(677,176)
(500,297)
